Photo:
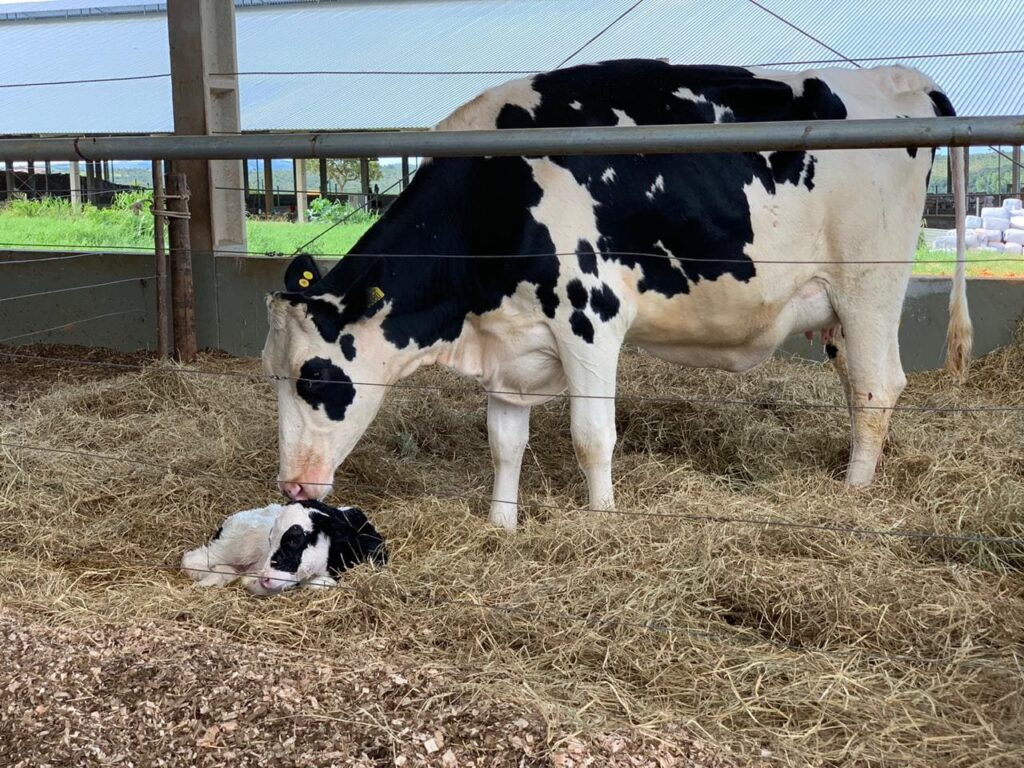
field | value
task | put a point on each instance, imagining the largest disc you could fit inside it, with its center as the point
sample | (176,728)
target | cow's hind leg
(508,429)
(867,359)
(590,372)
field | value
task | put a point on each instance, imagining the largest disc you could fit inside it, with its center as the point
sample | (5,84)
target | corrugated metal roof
(418,35)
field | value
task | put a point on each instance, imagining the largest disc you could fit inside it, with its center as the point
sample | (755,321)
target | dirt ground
(174,696)
(675,633)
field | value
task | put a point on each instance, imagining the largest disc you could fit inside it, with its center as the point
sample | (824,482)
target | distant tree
(345,171)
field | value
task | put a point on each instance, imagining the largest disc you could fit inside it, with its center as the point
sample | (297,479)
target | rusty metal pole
(163,348)
(1015,173)
(182,291)
(268,187)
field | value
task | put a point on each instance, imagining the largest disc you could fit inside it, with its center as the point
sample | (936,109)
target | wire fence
(561,395)
(736,638)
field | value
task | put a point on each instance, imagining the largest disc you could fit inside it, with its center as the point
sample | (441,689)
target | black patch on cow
(912,151)
(352,537)
(586,257)
(465,208)
(513,116)
(787,167)
(295,274)
(217,535)
(577,293)
(942,107)
(326,318)
(582,326)
(812,161)
(289,551)
(321,383)
(348,346)
(604,302)
(941,104)
(831,350)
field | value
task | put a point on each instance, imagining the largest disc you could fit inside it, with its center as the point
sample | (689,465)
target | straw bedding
(632,639)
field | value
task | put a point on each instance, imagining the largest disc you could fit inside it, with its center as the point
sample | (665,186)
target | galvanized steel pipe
(649,139)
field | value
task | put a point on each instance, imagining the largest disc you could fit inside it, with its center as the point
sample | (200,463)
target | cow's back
(710,248)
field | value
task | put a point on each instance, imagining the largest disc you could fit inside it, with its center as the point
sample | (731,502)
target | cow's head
(330,360)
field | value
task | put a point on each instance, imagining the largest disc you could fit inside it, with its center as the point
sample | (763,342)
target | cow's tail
(959,334)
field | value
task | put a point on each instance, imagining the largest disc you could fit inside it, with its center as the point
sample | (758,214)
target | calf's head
(331,364)
(296,552)
(310,539)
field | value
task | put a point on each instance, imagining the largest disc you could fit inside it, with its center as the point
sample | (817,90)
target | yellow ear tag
(308,275)
(304,283)
(375,294)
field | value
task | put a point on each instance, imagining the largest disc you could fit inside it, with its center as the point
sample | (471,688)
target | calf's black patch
(322,384)
(352,537)
(288,555)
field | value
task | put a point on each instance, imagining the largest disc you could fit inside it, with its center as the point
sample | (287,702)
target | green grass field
(51,224)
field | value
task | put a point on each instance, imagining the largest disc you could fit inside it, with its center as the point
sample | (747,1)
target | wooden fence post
(182,291)
(162,345)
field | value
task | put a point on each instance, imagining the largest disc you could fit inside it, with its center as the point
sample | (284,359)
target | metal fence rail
(598,140)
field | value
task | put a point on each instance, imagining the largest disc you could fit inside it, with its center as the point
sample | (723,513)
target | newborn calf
(281,546)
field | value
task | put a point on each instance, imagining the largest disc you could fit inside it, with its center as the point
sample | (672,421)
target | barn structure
(369,66)
(405,65)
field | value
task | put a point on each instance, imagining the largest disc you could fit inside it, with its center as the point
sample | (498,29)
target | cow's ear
(301,274)
(279,304)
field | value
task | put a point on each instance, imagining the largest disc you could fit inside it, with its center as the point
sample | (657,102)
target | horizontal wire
(43,194)
(145,250)
(903,57)
(78,288)
(86,80)
(62,257)
(712,633)
(71,324)
(785,405)
(925,536)
(469,72)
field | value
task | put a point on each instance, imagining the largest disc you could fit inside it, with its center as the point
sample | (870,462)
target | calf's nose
(267,583)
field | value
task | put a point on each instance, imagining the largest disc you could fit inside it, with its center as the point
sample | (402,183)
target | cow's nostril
(293,491)
(266,582)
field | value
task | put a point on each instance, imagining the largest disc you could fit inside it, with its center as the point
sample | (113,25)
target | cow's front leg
(591,379)
(508,429)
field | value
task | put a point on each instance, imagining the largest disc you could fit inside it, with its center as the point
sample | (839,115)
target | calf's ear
(301,274)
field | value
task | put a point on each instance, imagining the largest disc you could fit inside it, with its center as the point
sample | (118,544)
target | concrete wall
(234,318)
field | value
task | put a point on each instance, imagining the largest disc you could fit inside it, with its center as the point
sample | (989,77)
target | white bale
(1014,236)
(1000,211)
(989,235)
(1017,222)
(944,243)
(971,222)
(1012,205)
(995,222)
(1014,249)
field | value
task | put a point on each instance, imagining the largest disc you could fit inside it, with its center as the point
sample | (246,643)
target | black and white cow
(546,265)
